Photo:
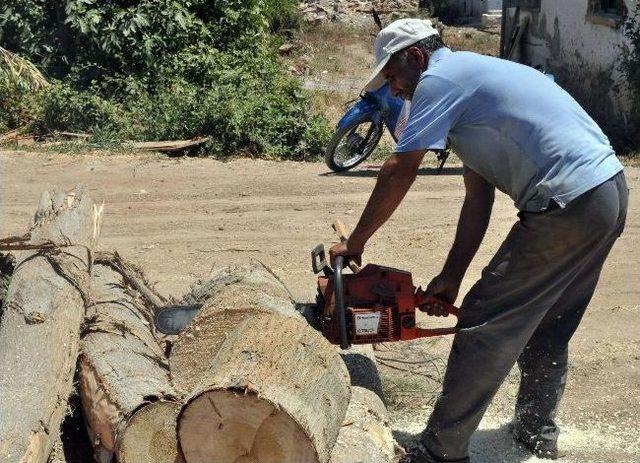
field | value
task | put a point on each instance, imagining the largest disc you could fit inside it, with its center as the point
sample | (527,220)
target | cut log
(124,377)
(360,359)
(231,294)
(276,392)
(40,328)
(365,436)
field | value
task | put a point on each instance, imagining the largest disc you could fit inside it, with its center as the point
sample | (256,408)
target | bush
(167,69)
(282,14)
(17,105)
(66,109)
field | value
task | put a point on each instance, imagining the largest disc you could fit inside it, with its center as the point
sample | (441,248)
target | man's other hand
(444,287)
(347,250)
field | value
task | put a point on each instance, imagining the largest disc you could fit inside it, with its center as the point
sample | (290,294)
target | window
(606,12)
(613,7)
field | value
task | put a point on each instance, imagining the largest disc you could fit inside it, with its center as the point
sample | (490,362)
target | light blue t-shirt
(510,124)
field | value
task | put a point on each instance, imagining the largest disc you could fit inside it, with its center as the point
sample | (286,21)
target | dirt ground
(179,218)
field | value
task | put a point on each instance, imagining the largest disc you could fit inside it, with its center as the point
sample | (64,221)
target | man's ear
(418,56)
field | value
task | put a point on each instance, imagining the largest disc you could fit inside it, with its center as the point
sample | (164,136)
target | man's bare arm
(394,180)
(472,225)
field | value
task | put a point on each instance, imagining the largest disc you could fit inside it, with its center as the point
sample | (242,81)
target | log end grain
(222,426)
(150,435)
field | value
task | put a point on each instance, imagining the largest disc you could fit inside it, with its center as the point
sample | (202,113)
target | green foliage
(65,108)
(164,69)
(281,14)
(17,104)
(122,37)
(631,68)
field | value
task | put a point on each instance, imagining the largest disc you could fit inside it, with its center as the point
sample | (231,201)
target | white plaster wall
(584,56)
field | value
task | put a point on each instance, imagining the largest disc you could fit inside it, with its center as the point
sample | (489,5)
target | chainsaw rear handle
(339,307)
(449,309)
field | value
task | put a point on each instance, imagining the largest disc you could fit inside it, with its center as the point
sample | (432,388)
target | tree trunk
(231,294)
(365,435)
(40,329)
(276,392)
(124,377)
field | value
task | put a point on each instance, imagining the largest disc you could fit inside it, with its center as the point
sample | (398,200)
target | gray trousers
(525,308)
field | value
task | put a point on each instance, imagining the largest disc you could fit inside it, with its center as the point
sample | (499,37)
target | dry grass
(486,42)
(20,70)
(631,159)
(341,50)
(331,104)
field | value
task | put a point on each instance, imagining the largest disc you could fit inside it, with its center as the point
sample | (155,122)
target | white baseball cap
(393,38)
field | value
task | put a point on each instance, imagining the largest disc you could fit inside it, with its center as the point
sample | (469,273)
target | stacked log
(276,391)
(128,401)
(249,380)
(40,329)
(254,356)
(365,435)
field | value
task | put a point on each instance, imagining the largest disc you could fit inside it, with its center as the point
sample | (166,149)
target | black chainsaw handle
(339,307)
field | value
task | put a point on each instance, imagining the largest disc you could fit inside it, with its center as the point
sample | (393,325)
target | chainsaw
(371,305)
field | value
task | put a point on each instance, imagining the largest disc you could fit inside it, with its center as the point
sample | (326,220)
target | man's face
(402,72)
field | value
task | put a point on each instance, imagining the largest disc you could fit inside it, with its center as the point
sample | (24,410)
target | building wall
(583,51)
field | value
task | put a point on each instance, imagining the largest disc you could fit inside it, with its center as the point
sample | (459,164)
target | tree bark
(124,375)
(231,295)
(40,328)
(275,392)
(365,435)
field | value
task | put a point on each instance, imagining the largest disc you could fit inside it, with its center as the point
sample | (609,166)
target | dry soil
(178,218)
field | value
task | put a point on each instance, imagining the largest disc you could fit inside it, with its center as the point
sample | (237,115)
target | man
(515,130)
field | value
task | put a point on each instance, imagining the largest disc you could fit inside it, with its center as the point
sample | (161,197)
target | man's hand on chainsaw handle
(445,288)
(346,249)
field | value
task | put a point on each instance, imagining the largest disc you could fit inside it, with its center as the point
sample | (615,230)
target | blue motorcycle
(360,129)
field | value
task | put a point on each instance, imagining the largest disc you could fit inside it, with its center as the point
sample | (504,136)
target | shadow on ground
(372,171)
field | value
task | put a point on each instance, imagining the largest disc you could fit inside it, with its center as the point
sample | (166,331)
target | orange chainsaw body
(380,305)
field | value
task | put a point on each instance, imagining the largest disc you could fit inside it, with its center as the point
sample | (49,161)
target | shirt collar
(437,55)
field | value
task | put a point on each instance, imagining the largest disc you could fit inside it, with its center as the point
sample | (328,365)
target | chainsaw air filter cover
(379,306)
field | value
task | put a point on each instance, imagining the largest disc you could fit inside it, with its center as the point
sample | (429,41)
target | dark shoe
(537,445)
(419,454)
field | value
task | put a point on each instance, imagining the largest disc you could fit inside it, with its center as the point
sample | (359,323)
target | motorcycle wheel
(352,144)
